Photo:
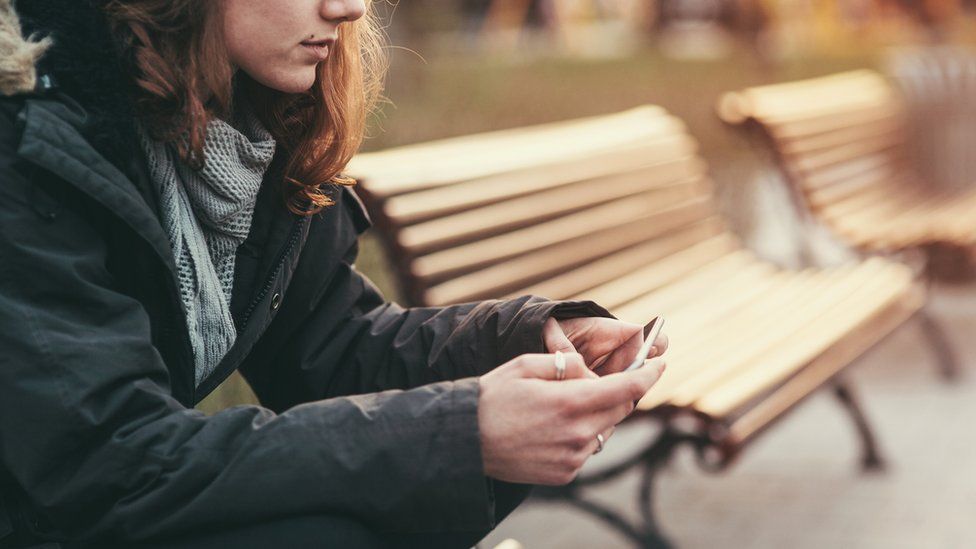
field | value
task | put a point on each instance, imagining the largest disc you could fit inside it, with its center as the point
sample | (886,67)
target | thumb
(554,337)
(621,387)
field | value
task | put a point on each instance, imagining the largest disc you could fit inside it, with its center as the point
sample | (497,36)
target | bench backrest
(531,210)
(939,86)
(838,138)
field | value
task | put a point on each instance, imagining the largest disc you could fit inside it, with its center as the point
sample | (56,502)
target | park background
(460,67)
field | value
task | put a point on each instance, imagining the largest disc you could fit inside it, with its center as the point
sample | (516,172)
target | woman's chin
(298,80)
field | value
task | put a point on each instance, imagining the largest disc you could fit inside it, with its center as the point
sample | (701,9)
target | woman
(171,210)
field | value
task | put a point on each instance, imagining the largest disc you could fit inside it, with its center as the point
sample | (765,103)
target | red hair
(185,79)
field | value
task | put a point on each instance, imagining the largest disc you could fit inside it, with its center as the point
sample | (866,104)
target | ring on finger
(600,441)
(560,362)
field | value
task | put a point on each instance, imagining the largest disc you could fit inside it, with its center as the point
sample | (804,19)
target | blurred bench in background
(939,87)
(842,141)
(619,209)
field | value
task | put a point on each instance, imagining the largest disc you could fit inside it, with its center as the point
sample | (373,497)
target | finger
(555,339)
(595,447)
(621,387)
(543,366)
(660,345)
(622,356)
(601,420)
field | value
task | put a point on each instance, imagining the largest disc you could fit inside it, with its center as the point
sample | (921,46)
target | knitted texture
(207,215)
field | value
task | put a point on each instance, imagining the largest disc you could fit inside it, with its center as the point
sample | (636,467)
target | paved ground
(799,486)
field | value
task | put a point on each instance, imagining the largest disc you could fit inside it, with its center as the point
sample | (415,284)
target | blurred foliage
(436,92)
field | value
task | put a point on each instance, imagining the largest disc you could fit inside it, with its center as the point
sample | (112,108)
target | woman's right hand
(535,430)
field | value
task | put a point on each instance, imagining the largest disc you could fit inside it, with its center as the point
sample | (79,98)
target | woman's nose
(338,11)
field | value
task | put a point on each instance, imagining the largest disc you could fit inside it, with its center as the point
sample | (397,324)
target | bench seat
(619,209)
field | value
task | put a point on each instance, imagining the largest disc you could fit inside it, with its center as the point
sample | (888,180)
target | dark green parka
(360,412)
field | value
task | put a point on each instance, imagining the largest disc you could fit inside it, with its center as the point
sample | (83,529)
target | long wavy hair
(184,78)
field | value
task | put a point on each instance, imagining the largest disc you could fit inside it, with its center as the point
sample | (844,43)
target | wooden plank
(666,272)
(878,165)
(607,217)
(673,153)
(709,313)
(562,260)
(855,186)
(888,144)
(829,120)
(438,163)
(692,338)
(667,188)
(821,369)
(748,336)
(796,340)
(879,201)
(700,242)
(749,333)
(805,99)
(762,101)
(675,299)
(694,322)
(892,123)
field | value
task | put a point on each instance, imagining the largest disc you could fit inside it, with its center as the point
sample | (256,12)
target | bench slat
(814,340)
(675,182)
(681,271)
(824,367)
(669,152)
(619,216)
(890,122)
(701,241)
(797,305)
(440,163)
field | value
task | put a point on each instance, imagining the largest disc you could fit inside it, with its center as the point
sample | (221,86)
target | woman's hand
(535,430)
(607,345)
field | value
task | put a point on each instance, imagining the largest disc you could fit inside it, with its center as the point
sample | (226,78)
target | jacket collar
(52,141)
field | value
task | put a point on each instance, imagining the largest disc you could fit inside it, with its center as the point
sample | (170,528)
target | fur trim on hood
(70,41)
(18,54)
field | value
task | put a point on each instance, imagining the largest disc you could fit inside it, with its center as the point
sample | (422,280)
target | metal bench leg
(871,459)
(945,355)
(653,538)
(646,533)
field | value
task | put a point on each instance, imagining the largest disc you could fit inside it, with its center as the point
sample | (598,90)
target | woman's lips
(318,48)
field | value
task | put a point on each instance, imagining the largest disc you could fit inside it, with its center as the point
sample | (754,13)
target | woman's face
(279,43)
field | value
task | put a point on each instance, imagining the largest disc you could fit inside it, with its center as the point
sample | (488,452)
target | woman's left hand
(607,345)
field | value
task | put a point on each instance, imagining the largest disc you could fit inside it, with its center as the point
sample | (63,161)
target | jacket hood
(69,42)
(18,54)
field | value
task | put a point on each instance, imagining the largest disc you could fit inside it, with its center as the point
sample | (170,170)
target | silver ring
(560,362)
(599,443)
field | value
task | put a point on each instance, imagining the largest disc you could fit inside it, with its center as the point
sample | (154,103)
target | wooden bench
(619,209)
(939,87)
(842,141)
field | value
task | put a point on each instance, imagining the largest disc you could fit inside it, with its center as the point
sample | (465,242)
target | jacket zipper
(296,232)
(226,368)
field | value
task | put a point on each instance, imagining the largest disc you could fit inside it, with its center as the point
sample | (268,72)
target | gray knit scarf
(207,215)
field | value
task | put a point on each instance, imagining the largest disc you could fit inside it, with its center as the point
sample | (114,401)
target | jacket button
(275,301)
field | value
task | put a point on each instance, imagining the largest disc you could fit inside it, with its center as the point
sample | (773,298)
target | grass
(449,95)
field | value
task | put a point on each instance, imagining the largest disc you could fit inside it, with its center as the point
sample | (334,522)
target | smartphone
(651,330)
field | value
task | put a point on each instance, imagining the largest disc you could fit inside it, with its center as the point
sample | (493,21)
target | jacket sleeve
(90,433)
(354,341)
